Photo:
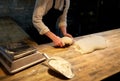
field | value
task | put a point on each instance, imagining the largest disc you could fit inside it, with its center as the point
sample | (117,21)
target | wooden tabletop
(93,66)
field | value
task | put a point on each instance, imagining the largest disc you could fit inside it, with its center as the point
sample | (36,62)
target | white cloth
(90,44)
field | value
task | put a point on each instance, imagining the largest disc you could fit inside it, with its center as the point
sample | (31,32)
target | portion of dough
(67,40)
(90,43)
(62,66)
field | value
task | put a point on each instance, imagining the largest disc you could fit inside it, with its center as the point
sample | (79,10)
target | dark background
(90,16)
(84,16)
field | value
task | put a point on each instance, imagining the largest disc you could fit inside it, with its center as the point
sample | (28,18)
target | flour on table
(90,44)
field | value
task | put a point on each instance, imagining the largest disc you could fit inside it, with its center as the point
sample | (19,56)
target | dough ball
(67,40)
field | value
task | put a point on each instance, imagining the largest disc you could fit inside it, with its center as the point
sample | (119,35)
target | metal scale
(15,54)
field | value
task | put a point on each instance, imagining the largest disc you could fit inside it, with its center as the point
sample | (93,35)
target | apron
(50,20)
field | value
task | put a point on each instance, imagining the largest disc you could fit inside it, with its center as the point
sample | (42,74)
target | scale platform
(15,54)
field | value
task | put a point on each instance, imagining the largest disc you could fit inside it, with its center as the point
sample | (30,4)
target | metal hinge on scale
(18,56)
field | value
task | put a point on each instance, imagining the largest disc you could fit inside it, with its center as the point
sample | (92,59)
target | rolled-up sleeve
(63,17)
(62,21)
(38,13)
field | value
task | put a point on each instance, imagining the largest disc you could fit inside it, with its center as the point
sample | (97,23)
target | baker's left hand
(68,35)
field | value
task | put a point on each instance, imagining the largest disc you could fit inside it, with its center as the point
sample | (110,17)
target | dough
(67,40)
(62,66)
(90,43)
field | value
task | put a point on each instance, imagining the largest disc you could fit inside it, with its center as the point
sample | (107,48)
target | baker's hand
(58,42)
(68,35)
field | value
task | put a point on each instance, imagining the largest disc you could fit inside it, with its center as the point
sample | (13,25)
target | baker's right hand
(58,42)
(56,39)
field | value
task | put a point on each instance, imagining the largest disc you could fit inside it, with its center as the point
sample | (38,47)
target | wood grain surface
(93,66)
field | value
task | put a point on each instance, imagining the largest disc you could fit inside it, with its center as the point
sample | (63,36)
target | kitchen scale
(18,56)
(15,54)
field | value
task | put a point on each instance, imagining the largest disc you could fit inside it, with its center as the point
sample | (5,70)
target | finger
(61,44)
(68,35)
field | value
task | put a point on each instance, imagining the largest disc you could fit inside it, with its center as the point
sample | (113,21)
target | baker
(48,17)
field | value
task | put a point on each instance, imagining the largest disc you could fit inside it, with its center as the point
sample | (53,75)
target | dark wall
(90,16)
(84,16)
(109,13)
(20,10)
(4,9)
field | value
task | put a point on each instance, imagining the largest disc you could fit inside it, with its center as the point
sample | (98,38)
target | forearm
(63,30)
(56,39)
(51,35)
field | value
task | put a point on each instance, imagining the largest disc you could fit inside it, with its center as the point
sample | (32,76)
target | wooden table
(94,66)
